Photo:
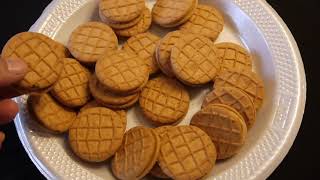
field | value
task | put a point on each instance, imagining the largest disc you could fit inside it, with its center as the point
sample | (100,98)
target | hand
(11,70)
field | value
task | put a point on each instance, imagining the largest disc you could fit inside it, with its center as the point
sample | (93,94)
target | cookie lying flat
(137,154)
(206,21)
(234,56)
(245,80)
(235,98)
(186,152)
(120,25)
(144,45)
(224,125)
(164,101)
(194,60)
(43,56)
(89,41)
(72,88)
(51,114)
(163,52)
(122,71)
(96,134)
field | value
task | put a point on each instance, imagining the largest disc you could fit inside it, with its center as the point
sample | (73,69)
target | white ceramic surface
(251,23)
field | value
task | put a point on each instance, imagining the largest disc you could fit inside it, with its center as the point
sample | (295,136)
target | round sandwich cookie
(96,134)
(120,25)
(89,41)
(122,72)
(51,114)
(235,98)
(194,60)
(144,45)
(137,154)
(225,126)
(121,10)
(247,81)
(142,26)
(186,152)
(234,56)
(206,20)
(72,88)
(163,52)
(164,101)
(43,56)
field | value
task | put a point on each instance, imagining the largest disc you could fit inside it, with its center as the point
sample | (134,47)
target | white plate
(252,23)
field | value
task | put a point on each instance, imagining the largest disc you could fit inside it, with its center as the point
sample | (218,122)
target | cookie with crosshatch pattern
(72,88)
(96,134)
(144,45)
(42,55)
(121,10)
(164,100)
(234,56)
(235,98)
(248,81)
(137,154)
(194,59)
(142,26)
(186,152)
(206,20)
(89,41)
(169,13)
(122,72)
(51,114)
(225,126)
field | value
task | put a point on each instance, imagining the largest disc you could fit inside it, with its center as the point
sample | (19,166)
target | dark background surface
(302,18)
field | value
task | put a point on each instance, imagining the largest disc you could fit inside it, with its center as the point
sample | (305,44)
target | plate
(252,23)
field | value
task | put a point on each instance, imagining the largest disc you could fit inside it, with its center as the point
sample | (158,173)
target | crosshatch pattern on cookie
(91,40)
(137,154)
(194,59)
(96,134)
(245,80)
(72,87)
(235,98)
(186,153)
(234,56)
(144,45)
(121,10)
(42,55)
(164,100)
(206,20)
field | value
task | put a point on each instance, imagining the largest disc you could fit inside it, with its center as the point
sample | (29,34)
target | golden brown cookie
(169,13)
(89,41)
(186,153)
(121,10)
(234,56)
(137,154)
(51,114)
(206,20)
(42,55)
(194,59)
(120,25)
(224,125)
(156,171)
(121,71)
(91,104)
(142,26)
(245,80)
(96,134)
(105,97)
(144,45)
(164,101)
(72,87)
(163,52)
(235,98)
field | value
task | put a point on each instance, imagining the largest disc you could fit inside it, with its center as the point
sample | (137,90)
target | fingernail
(16,66)
(2,137)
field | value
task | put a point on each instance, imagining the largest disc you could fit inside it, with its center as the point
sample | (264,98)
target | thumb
(12,70)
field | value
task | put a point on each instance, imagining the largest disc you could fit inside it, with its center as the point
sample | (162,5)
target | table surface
(300,17)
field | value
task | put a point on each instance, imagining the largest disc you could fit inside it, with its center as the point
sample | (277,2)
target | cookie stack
(126,17)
